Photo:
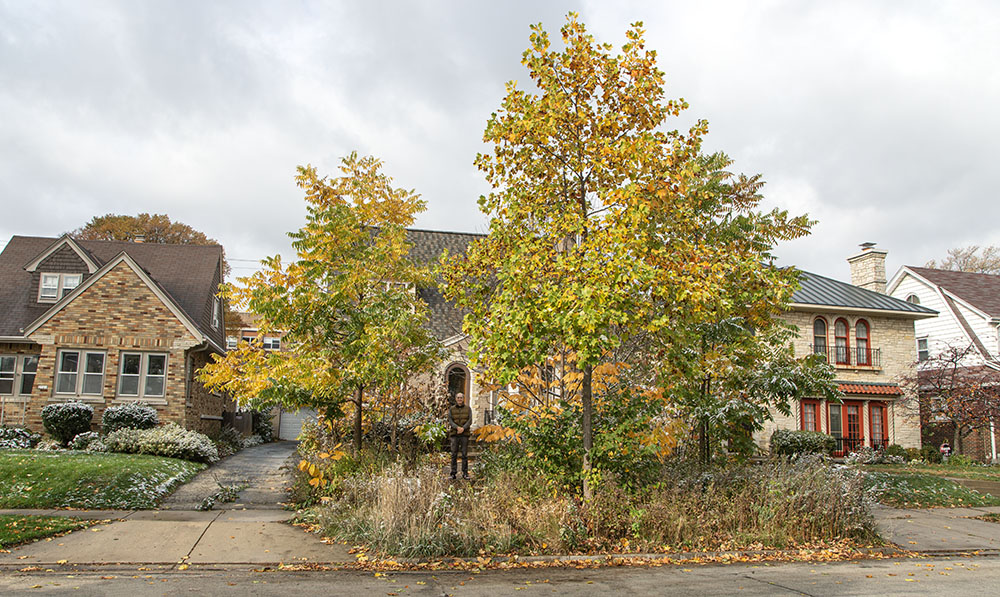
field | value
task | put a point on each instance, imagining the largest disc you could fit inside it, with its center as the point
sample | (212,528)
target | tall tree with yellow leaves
(352,322)
(603,223)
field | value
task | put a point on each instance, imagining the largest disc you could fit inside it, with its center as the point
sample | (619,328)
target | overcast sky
(881,120)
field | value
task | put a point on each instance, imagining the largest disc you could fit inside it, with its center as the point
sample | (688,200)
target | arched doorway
(457,376)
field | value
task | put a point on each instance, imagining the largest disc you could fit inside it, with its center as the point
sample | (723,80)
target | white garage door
(290,423)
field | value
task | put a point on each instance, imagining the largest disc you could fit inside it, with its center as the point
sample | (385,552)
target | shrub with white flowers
(134,415)
(169,440)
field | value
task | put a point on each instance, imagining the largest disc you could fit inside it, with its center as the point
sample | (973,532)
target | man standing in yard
(459,419)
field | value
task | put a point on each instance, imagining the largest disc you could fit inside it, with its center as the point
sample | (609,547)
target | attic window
(216,308)
(913,299)
(53,287)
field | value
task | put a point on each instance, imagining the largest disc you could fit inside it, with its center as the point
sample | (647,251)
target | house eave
(844,308)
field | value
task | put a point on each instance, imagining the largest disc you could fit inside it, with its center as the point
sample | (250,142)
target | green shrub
(959,460)
(167,440)
(66,420)
(229,442)
(88,440)
(931,454)
(18,438)
(134,415)
(787,442)
(262,425)
(913,454)
(896,450)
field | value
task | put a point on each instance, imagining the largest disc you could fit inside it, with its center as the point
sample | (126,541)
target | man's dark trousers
(459,442)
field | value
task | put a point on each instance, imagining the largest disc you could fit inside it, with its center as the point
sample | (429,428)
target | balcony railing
(840,355)
(846,445)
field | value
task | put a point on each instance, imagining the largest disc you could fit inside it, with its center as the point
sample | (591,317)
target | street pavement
(940,530)
(886,578)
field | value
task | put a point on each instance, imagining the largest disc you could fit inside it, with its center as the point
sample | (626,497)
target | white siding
(943,330)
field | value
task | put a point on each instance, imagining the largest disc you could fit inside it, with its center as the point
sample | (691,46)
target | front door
(846,426)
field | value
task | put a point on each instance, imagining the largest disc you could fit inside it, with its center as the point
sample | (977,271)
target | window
(230,342)
(878,426)
(819,336)
(861,341)
(74,377)
(17,374)
(271,343)
(216,309)
(842,344)
(55,286)
(143,375)
(913,299)
(810,415)
(922,352)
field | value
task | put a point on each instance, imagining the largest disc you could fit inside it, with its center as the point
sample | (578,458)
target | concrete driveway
(940,530)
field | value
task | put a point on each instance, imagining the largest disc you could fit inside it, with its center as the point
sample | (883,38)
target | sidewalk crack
(201,536)
(771,583)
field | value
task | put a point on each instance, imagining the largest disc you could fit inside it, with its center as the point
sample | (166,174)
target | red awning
(867,389)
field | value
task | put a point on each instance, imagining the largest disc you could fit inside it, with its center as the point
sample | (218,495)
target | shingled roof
(186,273)
(822,291)
(445,318)
(982,291)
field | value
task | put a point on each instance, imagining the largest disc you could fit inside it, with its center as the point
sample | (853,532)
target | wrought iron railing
(846,445)
(490,417)
(841,355)
(879,444)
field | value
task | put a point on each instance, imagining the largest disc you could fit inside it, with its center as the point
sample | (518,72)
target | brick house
(969,306)
(107,323)
(868,337)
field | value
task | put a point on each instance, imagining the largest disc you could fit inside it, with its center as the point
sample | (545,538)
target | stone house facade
(868,337)
(106,323)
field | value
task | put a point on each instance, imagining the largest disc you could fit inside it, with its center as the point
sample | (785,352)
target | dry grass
(418,513)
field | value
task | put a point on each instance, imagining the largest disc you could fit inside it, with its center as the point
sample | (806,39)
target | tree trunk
(705,442)
(357,420)
(586,399)
(957,442)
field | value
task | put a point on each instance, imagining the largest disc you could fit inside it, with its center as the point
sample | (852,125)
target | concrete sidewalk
(171,538)
(939,530)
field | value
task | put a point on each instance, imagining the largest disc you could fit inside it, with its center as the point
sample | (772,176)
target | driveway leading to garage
(266,469)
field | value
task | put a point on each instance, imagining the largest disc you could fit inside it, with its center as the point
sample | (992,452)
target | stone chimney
(868,268)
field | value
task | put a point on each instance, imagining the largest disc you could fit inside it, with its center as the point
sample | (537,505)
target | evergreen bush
(134,415)
(169,440)
(786,442)
(66,420)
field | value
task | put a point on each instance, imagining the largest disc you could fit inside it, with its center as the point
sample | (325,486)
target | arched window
(819,336)
(458,381)
(913,299)
(842,343)
(862,342)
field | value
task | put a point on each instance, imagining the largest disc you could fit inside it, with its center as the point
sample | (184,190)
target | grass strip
(88,480)
(917,490)
(16,529)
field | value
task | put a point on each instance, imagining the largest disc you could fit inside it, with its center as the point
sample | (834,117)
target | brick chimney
(868,268)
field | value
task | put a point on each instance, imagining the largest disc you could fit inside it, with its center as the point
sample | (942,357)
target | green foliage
(915,490)
(263,425)
(913,454)
(134,415)
(959,460)
(88,480)
(229,442)
(931,454)
(787,442)
(169,440)
(18,438)
(66,420)
(90,440)
(897,450)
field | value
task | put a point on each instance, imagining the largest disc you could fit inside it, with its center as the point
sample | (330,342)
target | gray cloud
(877,118)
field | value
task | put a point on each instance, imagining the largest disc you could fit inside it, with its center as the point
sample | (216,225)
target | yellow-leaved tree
(347,306)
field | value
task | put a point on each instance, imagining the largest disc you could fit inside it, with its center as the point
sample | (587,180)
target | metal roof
(819,290)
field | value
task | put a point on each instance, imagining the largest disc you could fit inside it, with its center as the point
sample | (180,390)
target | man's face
(460,399)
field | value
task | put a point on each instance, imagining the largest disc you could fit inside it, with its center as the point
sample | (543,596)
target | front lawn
(15,530)
(967,471)
(89,480)
(922,490)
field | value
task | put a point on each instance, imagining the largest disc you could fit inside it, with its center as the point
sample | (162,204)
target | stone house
(106,323)
(868,337)
(969,307)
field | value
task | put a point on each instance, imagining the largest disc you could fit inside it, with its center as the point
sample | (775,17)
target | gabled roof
(186,274)
(981,291)
(444,317)
(819,291)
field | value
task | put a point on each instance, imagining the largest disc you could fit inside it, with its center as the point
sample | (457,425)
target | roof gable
(980,291)
(63,241)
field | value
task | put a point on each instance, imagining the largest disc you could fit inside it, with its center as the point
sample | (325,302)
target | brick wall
(117,313)
(203,406)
